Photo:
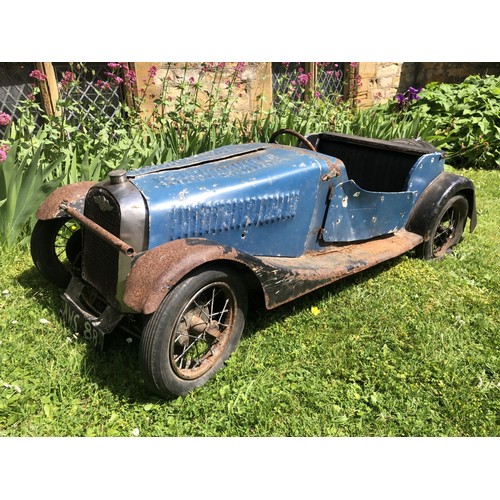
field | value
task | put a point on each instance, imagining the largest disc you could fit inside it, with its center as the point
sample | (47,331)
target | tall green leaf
(23,186)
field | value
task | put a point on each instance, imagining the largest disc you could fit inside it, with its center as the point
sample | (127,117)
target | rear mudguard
(72,194)
(439,191)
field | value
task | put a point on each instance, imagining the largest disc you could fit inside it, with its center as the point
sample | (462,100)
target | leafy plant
(465,118)
(24,184)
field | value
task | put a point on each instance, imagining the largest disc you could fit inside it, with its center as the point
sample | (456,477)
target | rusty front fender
(157,271)
(73,194)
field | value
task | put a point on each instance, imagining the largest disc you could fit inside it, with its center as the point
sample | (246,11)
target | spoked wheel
(282,131)
(447,229)
(195,329)
(56,246)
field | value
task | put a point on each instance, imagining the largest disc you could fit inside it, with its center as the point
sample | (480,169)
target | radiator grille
(100,259)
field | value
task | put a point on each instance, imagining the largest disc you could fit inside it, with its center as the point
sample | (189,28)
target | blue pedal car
(173,251)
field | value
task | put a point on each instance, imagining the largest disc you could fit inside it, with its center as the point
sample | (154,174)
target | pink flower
(31,97)
(240,67)
(114,65)
(4,149)
(38,75)
(303,78)
(102,85)
(354,64)
(67,78)
(152,71)
(5,119)
(317,94)
(207,67)
(114,79)
(191,81)
(130,77)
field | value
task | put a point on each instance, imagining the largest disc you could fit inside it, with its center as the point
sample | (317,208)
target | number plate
(82,324)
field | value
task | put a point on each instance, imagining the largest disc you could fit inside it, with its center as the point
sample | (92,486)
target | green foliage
(465,118)
(24,183)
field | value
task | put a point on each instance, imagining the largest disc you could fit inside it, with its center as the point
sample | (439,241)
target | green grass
(410,348)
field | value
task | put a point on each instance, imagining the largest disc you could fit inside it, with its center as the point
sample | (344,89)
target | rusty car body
(175,249)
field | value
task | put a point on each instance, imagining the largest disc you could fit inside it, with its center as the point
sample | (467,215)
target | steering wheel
(282,131)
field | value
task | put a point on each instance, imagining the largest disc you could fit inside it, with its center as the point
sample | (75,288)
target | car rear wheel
(56,246)
(446,229)
(196,328)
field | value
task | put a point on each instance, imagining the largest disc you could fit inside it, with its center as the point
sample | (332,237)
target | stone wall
(255,81)
(381,81)
(419,74)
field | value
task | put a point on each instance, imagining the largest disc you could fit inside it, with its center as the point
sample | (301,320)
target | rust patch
(293,277)
(72,193)
(157,271)
(334,169)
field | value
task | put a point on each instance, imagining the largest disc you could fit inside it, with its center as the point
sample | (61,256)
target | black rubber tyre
(196,328)
(56,248)
(446,229)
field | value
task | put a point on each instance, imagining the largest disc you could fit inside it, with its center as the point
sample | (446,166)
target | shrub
(465,118)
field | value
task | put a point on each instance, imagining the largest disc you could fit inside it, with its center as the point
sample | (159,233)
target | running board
(284,279)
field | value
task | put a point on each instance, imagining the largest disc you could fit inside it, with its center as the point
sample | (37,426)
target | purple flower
(5,119)
(413,93)
(400,98)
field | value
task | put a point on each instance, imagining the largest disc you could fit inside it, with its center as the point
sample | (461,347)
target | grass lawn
(410,348)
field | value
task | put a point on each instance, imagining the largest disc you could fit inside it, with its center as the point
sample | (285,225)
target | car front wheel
(56,246)
(195,329)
